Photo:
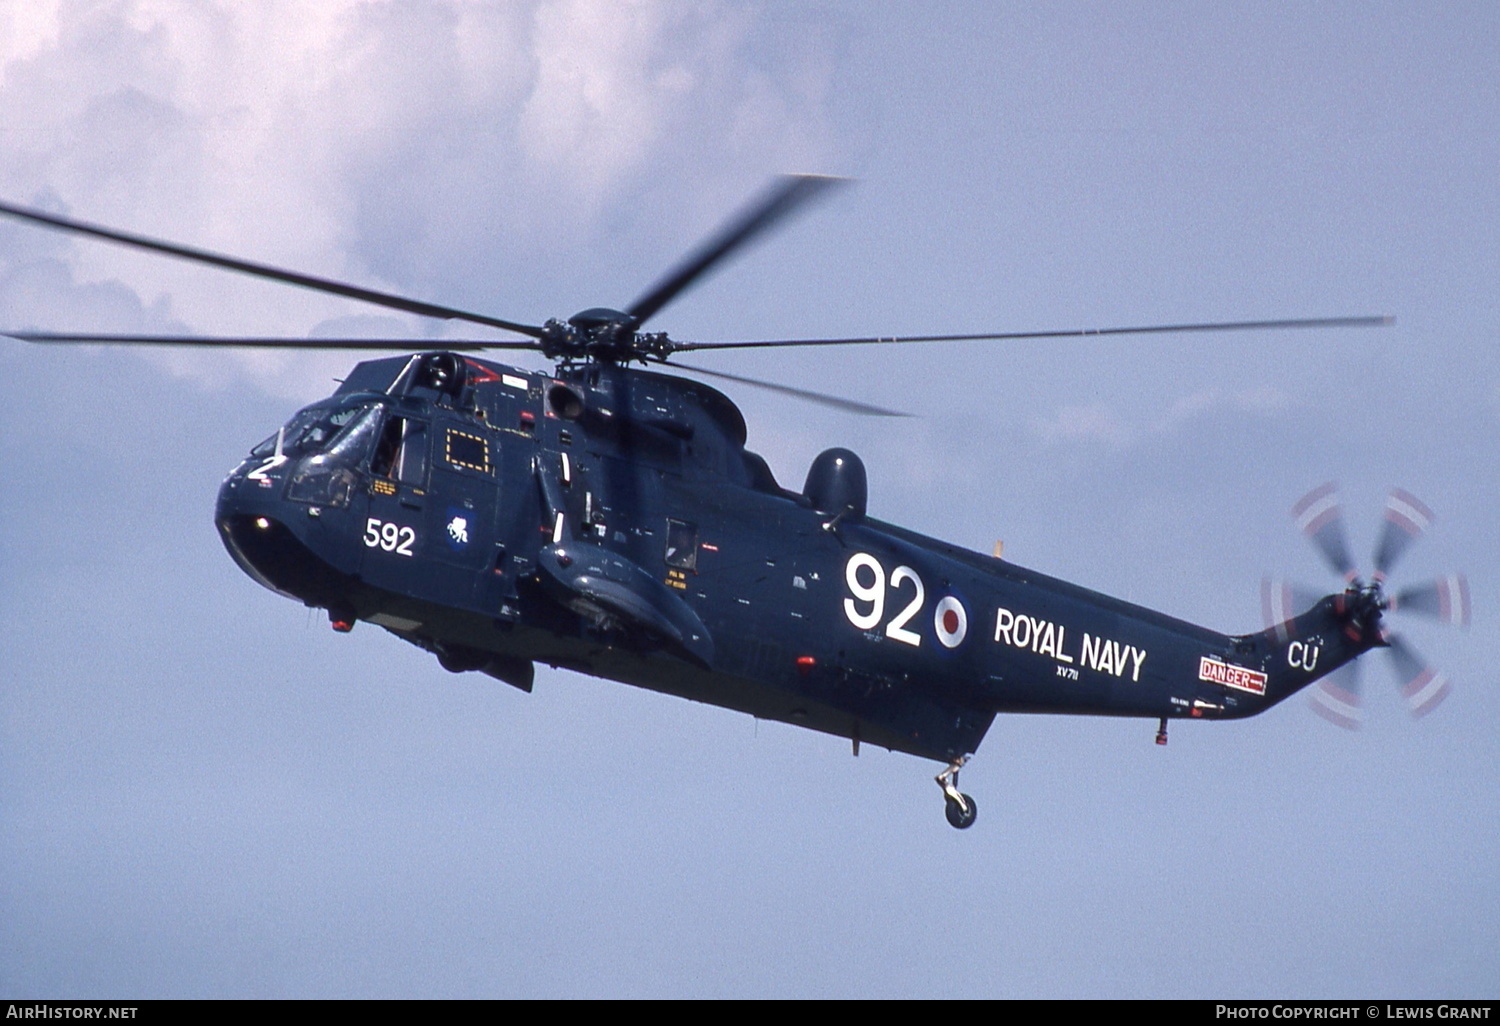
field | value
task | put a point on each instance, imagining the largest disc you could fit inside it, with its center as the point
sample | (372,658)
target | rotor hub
(1363,605)
(600,333)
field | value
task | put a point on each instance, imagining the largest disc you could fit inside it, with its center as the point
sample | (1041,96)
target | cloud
(1101,424)
(1259,400)
(484,155)
(1084,423)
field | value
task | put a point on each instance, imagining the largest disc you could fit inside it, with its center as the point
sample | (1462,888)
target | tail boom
(1264,669)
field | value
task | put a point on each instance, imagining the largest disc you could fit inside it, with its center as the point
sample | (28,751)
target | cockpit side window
(401,452)
(682,545)
(312,430)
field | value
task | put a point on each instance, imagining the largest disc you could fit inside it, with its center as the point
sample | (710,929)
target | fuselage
(611,521)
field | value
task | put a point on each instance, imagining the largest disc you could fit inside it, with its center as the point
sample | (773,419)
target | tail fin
(1270,666)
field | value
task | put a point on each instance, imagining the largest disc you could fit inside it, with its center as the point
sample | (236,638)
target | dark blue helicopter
(609,520)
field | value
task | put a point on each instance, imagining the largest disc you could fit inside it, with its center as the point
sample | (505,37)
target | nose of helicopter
(251,528)
(263,534)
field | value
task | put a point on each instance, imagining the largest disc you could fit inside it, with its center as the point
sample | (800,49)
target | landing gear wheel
(961,810)
(959,817)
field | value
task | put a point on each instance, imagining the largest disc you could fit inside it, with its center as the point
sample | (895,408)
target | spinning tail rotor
(1318,514)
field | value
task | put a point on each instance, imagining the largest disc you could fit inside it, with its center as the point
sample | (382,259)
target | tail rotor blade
(1446,599)
(1276,603)
(1422,686)
(1281,600)
(1336,697)
(1320,517)
(1406,519)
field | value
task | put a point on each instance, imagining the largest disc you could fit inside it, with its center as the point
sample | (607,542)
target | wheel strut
(961,809)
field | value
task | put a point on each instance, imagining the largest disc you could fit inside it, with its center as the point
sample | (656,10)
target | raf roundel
(951,621)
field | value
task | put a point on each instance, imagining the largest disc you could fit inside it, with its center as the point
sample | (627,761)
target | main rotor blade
(822,399)
(405,345)
(1157,329)
(204,256)
(1446,598)
(1319,517)
(787,193)
(1421,685)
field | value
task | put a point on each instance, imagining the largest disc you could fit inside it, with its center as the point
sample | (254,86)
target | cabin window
(468,451)
(682,545)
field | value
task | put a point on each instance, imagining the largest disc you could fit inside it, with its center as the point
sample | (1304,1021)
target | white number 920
(390,537)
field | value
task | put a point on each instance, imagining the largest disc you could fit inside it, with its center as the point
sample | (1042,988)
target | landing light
(263,523)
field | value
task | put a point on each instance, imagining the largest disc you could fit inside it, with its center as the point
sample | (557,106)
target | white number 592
(390,537)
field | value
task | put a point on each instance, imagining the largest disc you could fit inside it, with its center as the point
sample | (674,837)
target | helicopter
(607,518)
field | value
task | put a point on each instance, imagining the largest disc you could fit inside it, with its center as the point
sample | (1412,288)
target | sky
(204,792)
